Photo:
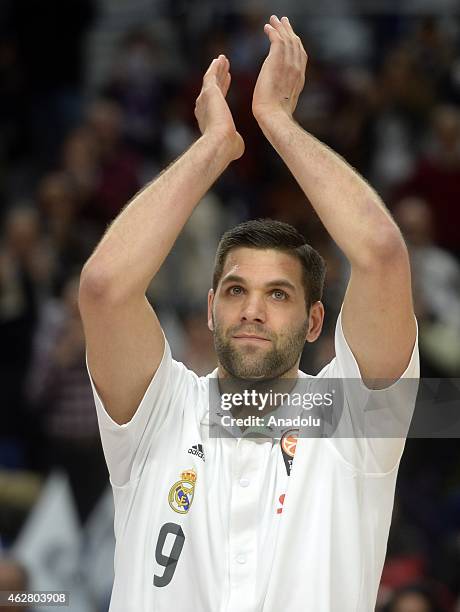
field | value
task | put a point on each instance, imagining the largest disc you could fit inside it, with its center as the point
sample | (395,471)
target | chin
(251,371)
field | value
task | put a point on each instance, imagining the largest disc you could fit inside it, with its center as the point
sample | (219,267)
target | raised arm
(123,336)
(377,316)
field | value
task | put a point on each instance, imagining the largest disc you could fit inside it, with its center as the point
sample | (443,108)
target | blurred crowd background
(96,98)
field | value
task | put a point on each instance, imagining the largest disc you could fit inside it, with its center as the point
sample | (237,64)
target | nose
(253,309)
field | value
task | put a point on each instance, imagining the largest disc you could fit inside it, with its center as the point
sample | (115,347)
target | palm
(216,110)
(282,75)
(212,111)
(266,87)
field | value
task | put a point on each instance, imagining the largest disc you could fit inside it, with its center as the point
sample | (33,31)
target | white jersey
(219,524)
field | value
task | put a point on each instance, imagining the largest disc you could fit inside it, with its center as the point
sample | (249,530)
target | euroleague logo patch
(289,442)
(182,492)
(288,445)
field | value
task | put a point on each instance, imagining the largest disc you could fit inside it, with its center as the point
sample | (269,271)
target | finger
(287,25)
(284,21)
(221,64)
(277,25)
(280,27)
(225,68)
(212,70)
(216,65)
(226,85)
(303,56)
(299,52)
(286,38)
(275,22)
(295,41)
(222,71)
(272,33)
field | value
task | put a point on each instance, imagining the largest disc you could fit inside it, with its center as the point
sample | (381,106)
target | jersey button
(244,482)
(241,559)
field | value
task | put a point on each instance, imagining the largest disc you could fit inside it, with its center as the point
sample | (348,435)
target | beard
(251,362)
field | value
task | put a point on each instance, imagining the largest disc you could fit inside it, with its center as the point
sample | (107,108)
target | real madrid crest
(181,493)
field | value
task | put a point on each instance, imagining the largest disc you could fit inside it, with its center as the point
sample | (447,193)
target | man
(233,524)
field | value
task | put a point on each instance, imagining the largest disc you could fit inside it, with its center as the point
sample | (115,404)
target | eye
(235,290)
(279,295)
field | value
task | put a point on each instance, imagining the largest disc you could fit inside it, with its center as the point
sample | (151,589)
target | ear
(315,321)
(210,303)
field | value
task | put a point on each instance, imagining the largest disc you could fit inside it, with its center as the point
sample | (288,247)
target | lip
(250,337)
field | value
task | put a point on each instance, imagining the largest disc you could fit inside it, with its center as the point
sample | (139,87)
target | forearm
(137,242)
(349,208)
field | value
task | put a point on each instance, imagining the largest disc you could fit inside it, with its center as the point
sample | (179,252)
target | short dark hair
(270,234)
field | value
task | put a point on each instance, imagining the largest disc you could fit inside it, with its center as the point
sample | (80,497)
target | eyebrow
(279,282)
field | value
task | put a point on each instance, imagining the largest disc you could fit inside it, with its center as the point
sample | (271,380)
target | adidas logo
(197,449)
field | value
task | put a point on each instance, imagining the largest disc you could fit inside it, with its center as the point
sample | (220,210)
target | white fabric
(323,553)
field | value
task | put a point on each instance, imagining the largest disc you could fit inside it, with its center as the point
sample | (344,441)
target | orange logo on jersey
(281,500)
(182,492)
(289,442)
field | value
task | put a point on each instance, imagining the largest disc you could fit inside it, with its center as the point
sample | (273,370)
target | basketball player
(247,524)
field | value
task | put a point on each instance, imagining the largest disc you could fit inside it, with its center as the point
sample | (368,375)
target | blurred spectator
(338,33)
(199,353)
(177,134)
(13,577)
(322,351)
(70,237)
(191,261)
(23,251)
(247,47)
(13,104)
(404,86)
(402,98)
(104,170)
(79,159)
(49,40)
(436,284)
(436,273)
(59,391)
(432,47)
(413,599)
(437,177)
(118,167)
(350,132)
(19,491)
(24,273)
(324,100)
(138,85)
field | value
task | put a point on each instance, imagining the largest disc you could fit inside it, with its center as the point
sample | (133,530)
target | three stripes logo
(197,449)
